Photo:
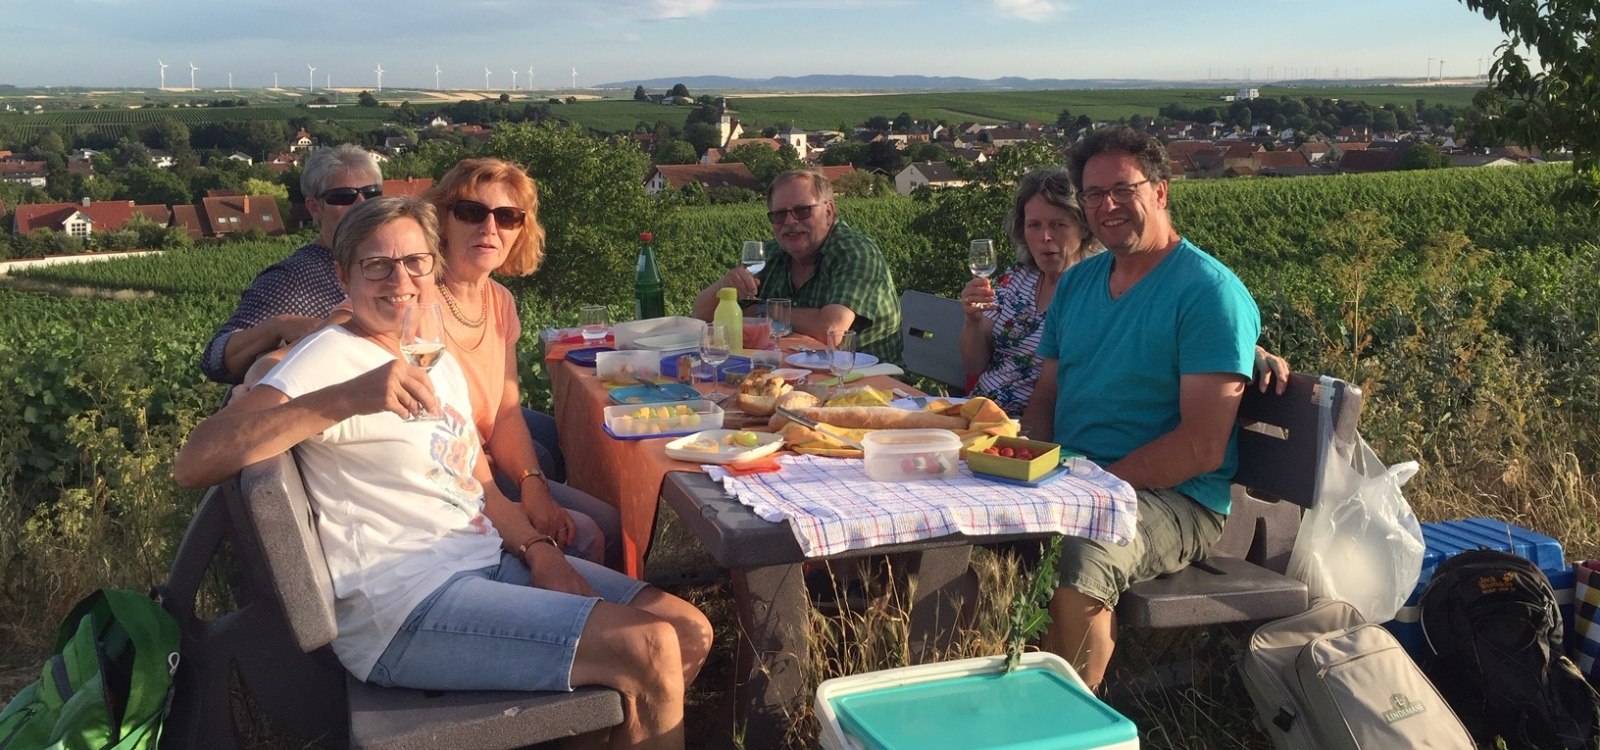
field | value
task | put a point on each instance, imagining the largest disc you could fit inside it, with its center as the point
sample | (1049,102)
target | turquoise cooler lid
(1029,709)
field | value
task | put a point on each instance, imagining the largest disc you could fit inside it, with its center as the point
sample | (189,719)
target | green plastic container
(971,706)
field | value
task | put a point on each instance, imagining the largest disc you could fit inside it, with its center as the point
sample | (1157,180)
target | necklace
(455,307)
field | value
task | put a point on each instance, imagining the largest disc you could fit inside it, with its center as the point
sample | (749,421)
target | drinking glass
(422,341)
(842,356)
(981,261)
(754,256)
(714,349)
(780,314)
(594,319)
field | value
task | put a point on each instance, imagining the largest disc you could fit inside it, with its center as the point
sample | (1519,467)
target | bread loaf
(765,405)
(874,418)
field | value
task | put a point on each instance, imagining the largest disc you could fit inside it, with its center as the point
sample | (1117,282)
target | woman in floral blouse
(1001,330)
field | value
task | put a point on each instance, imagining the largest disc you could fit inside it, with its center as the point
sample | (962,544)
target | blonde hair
(465,179)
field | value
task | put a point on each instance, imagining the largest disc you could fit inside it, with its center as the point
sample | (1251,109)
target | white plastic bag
(1360,542)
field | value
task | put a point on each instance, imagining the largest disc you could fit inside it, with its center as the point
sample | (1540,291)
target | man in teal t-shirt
(1147,350)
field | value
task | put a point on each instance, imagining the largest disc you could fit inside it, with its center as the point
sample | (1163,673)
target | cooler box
(970,705)
(1443,539)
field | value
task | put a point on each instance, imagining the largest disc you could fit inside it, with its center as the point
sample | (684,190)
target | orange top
(483,352)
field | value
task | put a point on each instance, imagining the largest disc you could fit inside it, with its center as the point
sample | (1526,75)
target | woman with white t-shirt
(439,581)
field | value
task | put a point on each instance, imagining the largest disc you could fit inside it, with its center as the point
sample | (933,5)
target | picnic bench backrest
(277,514)
(931,338)
(1281,448)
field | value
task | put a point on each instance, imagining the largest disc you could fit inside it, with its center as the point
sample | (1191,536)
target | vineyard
(1465,302)
(117,120)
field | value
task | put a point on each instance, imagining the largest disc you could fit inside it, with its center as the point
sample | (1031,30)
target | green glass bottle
(648,298)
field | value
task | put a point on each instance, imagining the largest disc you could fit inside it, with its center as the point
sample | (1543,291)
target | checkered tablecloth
(833,507)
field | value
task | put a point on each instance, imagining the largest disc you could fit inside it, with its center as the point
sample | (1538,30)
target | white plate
(668,341)
(918,403)
(819,360)
(766,443)
(791,374)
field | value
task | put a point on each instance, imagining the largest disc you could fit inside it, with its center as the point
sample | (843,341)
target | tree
(679,89)
(1424,156)
(150,185)
(1065,119)
(763,161)
(926,152)
(842,153)
(902,122)
(863,184)
(638,94)
(366,99)
(674,151)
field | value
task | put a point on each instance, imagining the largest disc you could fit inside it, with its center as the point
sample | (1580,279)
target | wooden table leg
(772,607)
(944,594)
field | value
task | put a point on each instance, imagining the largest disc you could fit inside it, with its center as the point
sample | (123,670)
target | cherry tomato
(1007,452)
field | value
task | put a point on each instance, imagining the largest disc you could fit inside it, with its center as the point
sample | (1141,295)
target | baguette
(874,418)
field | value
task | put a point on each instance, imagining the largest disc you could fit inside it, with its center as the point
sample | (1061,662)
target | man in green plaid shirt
(835,275)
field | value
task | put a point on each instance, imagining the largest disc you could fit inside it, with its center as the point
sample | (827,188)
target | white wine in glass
(422,340)
(981,260)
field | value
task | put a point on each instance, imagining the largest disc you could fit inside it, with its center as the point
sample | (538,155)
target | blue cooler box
(1444,539)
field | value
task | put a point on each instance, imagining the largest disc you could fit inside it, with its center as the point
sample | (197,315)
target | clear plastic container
(909,455)
(624,368)
(672,333)
(631,421)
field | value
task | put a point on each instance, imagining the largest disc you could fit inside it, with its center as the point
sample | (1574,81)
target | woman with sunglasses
(489,210)
(439,582)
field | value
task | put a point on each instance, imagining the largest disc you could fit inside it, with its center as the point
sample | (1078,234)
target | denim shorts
(1174,531)
(489,629)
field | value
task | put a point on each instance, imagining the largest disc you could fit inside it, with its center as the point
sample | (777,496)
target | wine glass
(422,341)
(754,256)
(594,320)
(981,261)
(842,356)
(714,349)
(780,315)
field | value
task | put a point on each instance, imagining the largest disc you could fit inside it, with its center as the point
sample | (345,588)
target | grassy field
(755,111)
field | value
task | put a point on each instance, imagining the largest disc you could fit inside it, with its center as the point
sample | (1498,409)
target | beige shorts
(1173,532)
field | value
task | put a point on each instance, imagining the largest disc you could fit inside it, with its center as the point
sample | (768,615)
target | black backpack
(1494,638)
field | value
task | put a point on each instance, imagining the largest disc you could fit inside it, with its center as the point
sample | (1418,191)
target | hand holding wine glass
(422,341)
(981,261)
(753,256)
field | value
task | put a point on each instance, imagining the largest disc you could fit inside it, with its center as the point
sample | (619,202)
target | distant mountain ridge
(823,82)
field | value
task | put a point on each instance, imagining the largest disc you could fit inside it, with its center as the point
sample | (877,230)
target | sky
(116,43)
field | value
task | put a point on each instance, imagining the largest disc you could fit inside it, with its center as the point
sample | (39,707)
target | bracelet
(522,549)
(528,473)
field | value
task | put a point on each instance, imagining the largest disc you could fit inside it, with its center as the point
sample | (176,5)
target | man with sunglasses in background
(1147,350)
(836,276)
(294,297)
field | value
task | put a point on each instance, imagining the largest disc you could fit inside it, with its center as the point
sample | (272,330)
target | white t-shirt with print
(397,507)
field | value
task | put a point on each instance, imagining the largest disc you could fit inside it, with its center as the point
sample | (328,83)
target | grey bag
(1326,679)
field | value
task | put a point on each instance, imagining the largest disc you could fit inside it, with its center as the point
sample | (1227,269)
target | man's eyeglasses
(473,212)
(1121,193)
(380,268)
(801,213)
(344,196)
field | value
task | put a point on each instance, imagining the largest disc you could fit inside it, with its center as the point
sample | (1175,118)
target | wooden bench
(1282,449)
(275,644)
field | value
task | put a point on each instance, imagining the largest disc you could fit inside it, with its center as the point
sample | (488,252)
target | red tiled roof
(104,215)
(184,215)
(237,214)
(834,173)
(1282,159)
(710,176)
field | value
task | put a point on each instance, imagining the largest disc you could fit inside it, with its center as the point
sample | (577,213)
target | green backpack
(107,686)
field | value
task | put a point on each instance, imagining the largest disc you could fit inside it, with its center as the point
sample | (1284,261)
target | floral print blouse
(1013,365)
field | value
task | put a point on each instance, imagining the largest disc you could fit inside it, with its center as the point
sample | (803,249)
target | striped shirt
(1014,364)
(852,272)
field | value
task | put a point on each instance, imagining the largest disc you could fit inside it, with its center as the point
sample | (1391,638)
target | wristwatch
(522,549)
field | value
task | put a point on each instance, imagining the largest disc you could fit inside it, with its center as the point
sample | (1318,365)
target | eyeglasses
(1122,194)
(473,212)
(801,213)
(345,196)
(380,268)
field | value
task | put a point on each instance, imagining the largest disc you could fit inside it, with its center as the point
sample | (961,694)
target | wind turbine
(163,73)
(486,78)
(436,72)
(1441,70)
(230,80)
(530,77)
(192,69)
(275,80)
(574,79)
(1429,74)
(513,79)
(380,77)
(311,78)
